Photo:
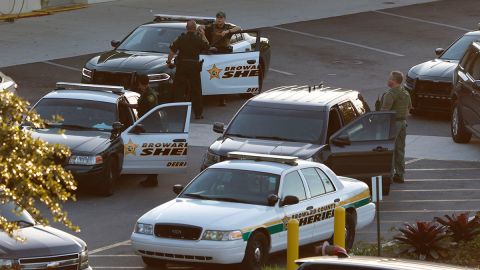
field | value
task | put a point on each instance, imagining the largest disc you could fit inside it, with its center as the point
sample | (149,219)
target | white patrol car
(236,211)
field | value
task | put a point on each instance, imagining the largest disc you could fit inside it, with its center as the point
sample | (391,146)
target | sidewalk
(90,30)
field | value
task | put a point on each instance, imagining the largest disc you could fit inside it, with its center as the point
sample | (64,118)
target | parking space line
(62,66)
(428,211)
(412,161)
(444,169)
(436,190)
(123,243)
(281,72)
(422,20)
(338,40)
(423,201)
(446,179)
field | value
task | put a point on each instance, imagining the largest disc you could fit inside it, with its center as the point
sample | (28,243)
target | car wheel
(110,175)
(459,133)
(349,230)
(157,263)
(256,253)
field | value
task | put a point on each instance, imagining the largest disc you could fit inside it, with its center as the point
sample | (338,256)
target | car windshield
(150,39)
(77,113)
(23,219)
(457,49)
(231,185)
(278,124)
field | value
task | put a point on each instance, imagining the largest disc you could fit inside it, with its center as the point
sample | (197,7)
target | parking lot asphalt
(353,51)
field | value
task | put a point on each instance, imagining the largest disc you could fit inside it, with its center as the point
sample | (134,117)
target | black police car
(430,83)
(466,110)
(327,125)
(145,51)
(107,139)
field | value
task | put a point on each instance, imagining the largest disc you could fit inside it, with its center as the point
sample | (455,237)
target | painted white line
(339,41)
(62,66)
(413,160)
(439,180)
(123,243)
(444,169)
(112,255)
(436,190)
(429,211)
(281,72)
(422,20)
(424,201)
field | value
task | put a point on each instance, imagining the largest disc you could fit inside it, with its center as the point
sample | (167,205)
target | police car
(236,211)
(144,51)
(107,139)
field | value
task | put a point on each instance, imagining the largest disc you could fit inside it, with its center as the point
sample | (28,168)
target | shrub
(460,228)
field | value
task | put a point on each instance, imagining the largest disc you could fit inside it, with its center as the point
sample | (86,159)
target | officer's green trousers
(399,152)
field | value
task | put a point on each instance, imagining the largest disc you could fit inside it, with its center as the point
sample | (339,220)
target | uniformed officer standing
(189,45)
(397,99)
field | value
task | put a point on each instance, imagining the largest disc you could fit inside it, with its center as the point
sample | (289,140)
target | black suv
(466,110)
(331,126)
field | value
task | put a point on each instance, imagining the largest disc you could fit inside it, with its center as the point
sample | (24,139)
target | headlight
(87,73)
(84,259)
(143,228)
(7,263)
(211,158)
(158,77)
(85,160)
(222,235)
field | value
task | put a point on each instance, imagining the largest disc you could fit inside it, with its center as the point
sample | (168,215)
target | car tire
(109,177)
(157,263)
(256,253)
(350,230)
(459,132)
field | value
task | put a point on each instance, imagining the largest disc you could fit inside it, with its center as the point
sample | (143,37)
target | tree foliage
(31,171)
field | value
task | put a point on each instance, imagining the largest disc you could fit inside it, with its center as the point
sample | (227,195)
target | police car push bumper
(202,251)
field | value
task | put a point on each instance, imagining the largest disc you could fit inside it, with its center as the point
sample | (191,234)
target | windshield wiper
(274,138)
(237,135)
(24,222)
(228,199)
(198,196)
(71,126)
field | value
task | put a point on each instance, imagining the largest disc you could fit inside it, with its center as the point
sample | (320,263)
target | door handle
(179,140)
(379,149)
(336,200)
(310,207)
(251,62)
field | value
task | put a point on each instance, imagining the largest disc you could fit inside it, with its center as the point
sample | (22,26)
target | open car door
(364,148)
(157,142)
(234,72)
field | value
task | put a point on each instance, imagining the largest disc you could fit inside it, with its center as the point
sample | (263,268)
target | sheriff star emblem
(130,148)
(214,72)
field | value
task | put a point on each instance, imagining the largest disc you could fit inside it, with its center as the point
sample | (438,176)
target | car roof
(319,98)
(175,25)
(378,263)
(100,96)
(473,33)
(260,166)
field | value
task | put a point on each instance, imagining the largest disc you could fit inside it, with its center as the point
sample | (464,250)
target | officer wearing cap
(187,77)
(397,99)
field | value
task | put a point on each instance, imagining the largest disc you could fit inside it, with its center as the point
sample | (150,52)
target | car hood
(91,141)
(298,149)
(436,69)
(208,214)
(39,241)
(128,61)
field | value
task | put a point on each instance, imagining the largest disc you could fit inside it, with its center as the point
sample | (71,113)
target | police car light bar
(289,160)
(92,87)
(183,18)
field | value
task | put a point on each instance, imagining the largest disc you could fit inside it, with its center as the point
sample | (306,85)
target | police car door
(364,148)
(157,142)
(232,73)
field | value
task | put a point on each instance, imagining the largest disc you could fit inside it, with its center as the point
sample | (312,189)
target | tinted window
(360,105)
(166,120)
(315,183)
(334,122)
(293,186)
(348,112)
(327,183)
(77,113)
(369,128)
(278,124)
(150,39)
(233,185)
(473,66)
(458,48)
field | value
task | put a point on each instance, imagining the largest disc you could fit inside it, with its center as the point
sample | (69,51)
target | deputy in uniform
(397,99)
(189,45)
(219,34)
(147,101)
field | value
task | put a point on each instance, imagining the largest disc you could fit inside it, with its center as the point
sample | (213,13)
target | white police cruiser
(236,211)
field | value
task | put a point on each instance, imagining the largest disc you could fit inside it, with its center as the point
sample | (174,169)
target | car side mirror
(272,199)
(177,188)
(341,140)
(117,126)
(439,51)
(477,84)
(289,200)
(218,127)
(115,43)
(138,129)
